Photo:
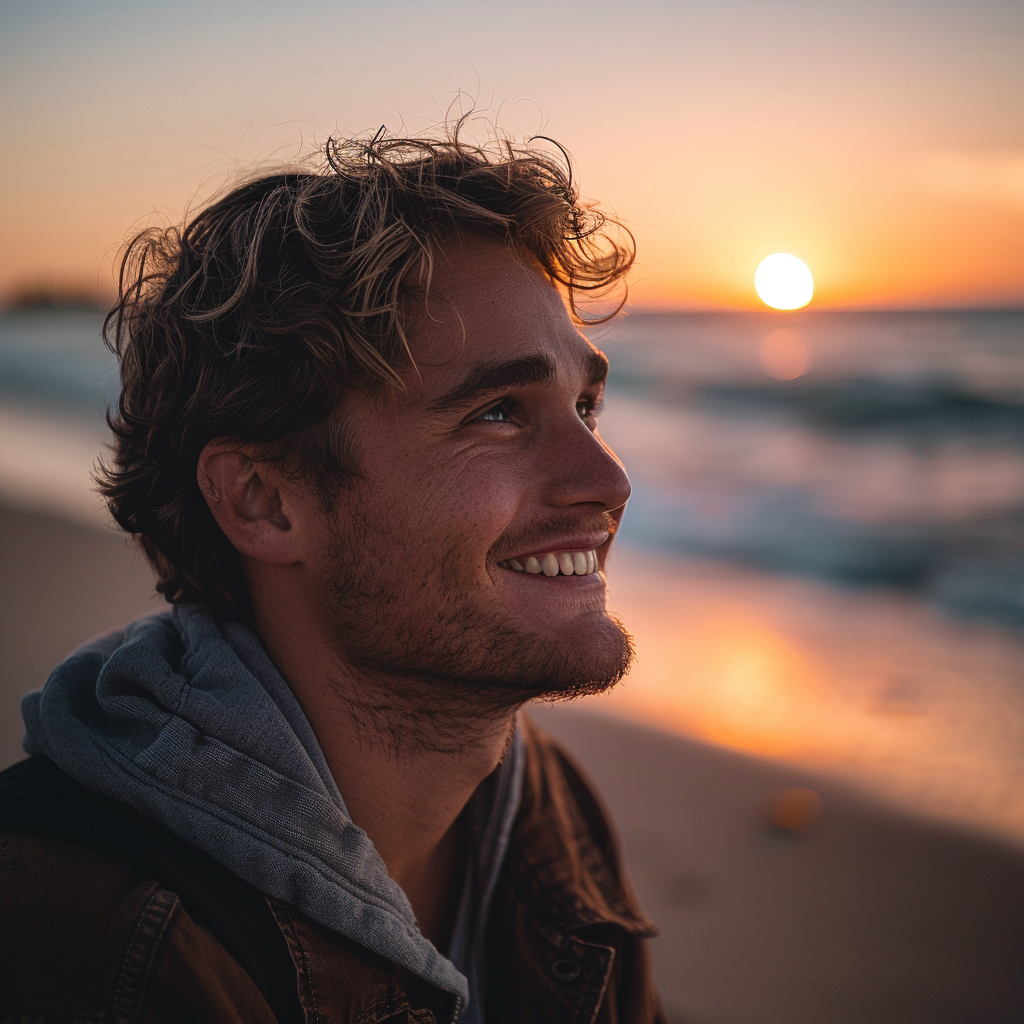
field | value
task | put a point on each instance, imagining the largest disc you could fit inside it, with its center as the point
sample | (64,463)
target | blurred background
(817,762)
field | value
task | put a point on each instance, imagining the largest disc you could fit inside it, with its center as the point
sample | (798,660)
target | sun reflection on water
(874,688)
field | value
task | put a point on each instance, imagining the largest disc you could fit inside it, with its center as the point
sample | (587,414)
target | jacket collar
(563,857)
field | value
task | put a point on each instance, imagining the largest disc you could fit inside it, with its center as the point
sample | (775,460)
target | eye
(587,409)
(500,413)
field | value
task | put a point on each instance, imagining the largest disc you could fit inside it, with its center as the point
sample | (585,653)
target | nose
(585,471)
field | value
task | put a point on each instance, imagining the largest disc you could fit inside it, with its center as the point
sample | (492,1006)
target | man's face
(489,466)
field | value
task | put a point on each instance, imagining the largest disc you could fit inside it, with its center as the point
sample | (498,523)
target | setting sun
(783,281)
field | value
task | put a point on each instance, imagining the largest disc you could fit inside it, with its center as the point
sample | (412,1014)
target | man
(357,441)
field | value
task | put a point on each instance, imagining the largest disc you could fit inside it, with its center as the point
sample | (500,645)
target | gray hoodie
(190,723)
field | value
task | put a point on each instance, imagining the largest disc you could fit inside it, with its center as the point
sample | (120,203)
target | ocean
(862,449)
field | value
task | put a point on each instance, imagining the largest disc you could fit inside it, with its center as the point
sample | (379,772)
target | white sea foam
(46,462)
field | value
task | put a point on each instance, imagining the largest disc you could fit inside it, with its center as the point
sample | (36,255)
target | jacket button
(565,970)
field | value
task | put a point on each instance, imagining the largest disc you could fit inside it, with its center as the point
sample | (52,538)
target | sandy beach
(870,916)
(893,900)
(63,583)
(869,685)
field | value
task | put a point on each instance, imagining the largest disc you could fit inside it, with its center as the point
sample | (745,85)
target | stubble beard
(431,672)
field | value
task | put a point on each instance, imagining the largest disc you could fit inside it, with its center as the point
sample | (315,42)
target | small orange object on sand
(795,808)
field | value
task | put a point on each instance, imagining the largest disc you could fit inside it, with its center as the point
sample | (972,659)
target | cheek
(458,511)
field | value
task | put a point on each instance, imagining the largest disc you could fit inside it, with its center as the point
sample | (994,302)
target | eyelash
(508,406)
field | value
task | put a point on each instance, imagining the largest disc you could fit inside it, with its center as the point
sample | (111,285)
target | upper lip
(583,542)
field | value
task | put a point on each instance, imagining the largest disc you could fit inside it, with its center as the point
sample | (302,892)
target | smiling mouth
(556,563)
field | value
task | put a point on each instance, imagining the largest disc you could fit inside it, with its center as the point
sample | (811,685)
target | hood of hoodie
(189,722)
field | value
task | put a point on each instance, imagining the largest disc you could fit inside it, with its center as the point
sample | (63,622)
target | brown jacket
(87,938)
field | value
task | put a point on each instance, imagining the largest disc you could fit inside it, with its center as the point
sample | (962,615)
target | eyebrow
(529,371)
(595,366)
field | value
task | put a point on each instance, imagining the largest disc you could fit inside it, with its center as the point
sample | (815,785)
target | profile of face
(470,550)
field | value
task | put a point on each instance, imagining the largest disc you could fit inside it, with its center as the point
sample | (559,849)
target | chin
(592,659)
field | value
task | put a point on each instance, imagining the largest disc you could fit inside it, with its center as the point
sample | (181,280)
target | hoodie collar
(190,723)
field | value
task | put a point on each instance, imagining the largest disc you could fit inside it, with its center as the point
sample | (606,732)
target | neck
(406,763)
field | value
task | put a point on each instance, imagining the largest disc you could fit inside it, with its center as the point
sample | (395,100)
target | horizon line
(746,311)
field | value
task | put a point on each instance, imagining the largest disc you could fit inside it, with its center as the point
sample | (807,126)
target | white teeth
(566,563)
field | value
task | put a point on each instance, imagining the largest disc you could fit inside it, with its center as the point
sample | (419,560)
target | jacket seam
(382,1010)
(598,995)
(139,955)
(293,942)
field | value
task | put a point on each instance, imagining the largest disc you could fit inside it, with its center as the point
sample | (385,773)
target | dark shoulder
(68,915)
(84,938)
(103,910)
(60,897)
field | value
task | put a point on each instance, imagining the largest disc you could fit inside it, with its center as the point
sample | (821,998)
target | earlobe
(245,497)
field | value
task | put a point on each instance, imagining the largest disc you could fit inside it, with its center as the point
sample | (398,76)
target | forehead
(485,303)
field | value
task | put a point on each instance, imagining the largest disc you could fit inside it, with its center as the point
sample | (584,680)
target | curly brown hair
(252,320)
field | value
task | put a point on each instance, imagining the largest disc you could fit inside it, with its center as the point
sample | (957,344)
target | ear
(251,502)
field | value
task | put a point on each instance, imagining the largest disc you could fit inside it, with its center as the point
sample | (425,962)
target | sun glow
(785,355)
(783,281)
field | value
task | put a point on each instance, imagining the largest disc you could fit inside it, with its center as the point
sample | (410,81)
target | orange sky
(883,146)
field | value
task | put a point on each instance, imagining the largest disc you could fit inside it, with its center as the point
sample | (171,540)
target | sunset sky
(883,144)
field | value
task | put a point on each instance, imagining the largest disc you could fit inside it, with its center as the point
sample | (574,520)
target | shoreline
(873,688)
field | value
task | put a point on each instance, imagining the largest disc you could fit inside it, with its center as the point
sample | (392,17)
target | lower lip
(590,578)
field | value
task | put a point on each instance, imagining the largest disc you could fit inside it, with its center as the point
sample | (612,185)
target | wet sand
(869,916)
(873,687)
(882,909)
(63,582)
